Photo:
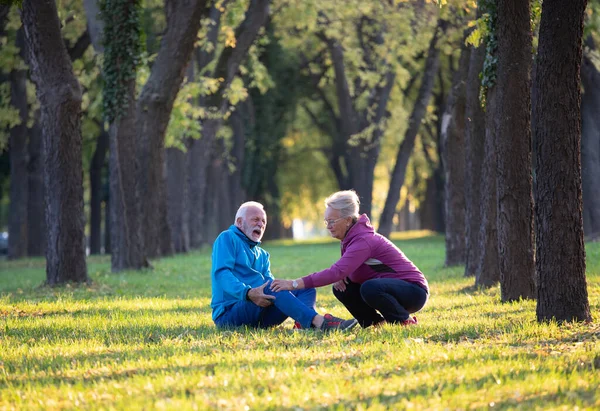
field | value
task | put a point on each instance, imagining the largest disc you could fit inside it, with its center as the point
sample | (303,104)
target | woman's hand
(281,285)
(341,285)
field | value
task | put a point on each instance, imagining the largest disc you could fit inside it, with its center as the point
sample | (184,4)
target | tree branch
(80,46)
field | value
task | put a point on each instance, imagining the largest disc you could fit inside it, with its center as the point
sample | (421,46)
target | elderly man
(241,278)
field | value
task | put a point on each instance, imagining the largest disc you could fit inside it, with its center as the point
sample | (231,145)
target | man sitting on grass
(241,278)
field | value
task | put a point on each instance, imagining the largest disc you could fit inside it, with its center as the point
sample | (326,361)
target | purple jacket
(367,255)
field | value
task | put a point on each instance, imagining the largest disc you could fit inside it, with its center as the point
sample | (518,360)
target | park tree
(60,98)
(474,153)
(487,268)
(152,114)
(121,58)
(414,123)
(513,146)
(453,158)
(217,105)
(357,58)
(95,30)
(560,252)
(19,156)
(590,141)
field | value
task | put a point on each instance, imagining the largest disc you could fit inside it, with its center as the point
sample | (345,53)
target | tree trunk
(474,151)
(453,157)
(560,263)
(416,117)
(36,212)
(126,234)
(487,272)
(153,113)
(590,143)
(107,215)
(97,192)
(513,142)
(60,98)
(177,198)
(17,222)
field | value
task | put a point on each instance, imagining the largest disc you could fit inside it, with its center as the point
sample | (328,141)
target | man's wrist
(248,294)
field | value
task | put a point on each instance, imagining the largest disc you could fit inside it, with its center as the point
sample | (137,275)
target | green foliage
(145,340)
(121,53)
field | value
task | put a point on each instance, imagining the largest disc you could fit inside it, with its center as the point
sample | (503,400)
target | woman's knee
(370,289)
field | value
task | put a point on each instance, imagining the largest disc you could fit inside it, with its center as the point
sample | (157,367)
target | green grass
(145,340)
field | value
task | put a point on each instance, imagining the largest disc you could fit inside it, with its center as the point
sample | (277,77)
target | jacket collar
(251,243)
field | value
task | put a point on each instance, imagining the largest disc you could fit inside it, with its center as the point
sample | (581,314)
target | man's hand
(341,285)
(257,296)
(281,285)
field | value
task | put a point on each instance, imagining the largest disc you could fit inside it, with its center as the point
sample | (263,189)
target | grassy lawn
(145,340)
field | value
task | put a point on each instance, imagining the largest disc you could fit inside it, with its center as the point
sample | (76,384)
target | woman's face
(336,225)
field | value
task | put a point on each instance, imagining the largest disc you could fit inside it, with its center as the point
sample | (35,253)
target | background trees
(208,104)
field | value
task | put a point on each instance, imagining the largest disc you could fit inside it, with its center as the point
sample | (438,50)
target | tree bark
(60,99)
(474,150)
(177,198)
(36,212)
(560,264)
(453,158)
(95,24)
(513,142)
(406,148)
(487,272)
(153,113)
(19,158)
(97,192)
(126,233)
(95,30)
(590,143)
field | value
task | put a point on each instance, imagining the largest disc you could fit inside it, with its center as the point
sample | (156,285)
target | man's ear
(238,222)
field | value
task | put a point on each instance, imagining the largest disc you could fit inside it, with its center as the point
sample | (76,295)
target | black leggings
(382,298)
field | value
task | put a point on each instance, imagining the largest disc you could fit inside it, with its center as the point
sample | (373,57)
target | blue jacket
(238,264)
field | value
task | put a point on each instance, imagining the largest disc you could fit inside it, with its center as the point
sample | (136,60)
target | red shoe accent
(297,325)
(410,321)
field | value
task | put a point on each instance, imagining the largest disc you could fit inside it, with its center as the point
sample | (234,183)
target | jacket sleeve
(223,262)
(356,254)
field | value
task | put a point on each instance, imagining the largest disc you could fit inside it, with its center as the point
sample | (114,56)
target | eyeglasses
(329,223)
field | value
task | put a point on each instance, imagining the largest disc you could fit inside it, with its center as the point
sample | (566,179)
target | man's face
(253,224)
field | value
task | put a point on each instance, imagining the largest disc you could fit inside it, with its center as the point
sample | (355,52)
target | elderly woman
(374,279)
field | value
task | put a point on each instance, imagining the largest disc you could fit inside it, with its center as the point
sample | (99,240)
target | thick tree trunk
(177,198)
(513,143)
(474,150)
(97,192)
(19,158)
(36,212)
(126,234)
(406,148)
(60,99)
(153,113)
(453,157)
(560,263)
(590,144)
(487,272)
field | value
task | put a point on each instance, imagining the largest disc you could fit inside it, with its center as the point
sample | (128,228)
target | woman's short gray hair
(241,212)
(346,202)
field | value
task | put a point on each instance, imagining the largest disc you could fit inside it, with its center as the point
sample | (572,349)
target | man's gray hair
(346,202)
(241,212)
